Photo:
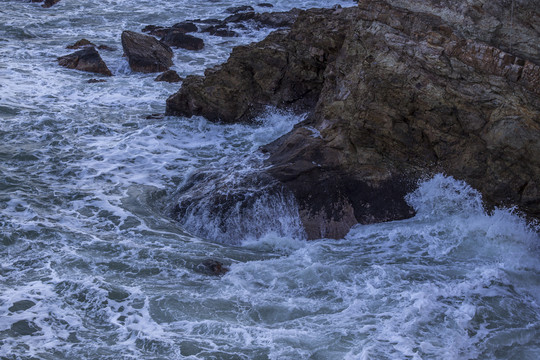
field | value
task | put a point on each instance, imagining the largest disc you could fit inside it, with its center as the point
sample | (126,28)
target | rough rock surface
(397,91)
(285,70)
(170,76)
(178,38)
(145,53)
(87,59)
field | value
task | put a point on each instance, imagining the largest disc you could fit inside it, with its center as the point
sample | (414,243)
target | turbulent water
(93,267)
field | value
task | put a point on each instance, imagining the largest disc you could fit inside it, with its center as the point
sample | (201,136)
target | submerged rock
(213,267)
(87,59)
(25,327)
(145,53)
(396,91)
(169,76)
(21,305)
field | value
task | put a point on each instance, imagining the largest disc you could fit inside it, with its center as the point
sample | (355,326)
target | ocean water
(93,267)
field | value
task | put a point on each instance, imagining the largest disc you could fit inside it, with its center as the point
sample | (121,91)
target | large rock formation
(145,53)
(397,90)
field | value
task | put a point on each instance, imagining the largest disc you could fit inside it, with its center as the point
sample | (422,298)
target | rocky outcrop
(145,53)
(396,91)
(87,59)
(284,70)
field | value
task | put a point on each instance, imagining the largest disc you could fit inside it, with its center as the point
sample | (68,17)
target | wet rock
(266,19)
(25,327)
(156,30)
(49,3)
(106,48)
(213,267)
(279,71)
(95,81)
(396,91)
(177,38)
(21,305)
(117,295)
(80,44)
(87,59)
(266,5)
(154,116)
(220,30)
(145,53)
(239,9)
(169,76)
(186,27)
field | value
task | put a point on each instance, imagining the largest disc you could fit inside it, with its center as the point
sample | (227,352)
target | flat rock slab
(87,59)
(145,53)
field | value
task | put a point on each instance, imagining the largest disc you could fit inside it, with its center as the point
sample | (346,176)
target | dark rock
(169,76)
(238,9)
(25,327)
(177,38)
(21,305)
(213,267)
(244,16)
(49,3)
(395,94)
(117,295)
(220,30)
(209,21)
(266,5)
(106,48)
(154,116)
(94,81)
(145,53)
(80,44)
(155,30)
(87,59)
(186,27)
(266,19)
(279,71)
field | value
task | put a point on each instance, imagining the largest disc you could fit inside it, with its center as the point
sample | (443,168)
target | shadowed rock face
(145,53)
(87,59)
(397,91)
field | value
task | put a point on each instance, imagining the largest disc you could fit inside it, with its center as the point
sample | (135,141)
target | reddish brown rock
(87,59)
(396,91)
(145,53)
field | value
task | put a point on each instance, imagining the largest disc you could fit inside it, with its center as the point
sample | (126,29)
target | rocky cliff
(396,91)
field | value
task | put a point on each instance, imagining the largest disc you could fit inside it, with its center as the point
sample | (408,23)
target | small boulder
(213,267)
(220,30)
(106,47)
(80,44)
(186,27)
(145,53)
(49,3)
(156,30)
(94,81)
(170,76)
(178,38)
(87,59)
(266,5)
(239,9)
